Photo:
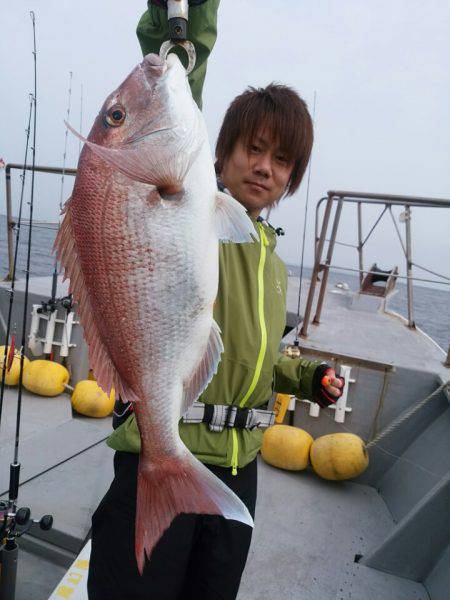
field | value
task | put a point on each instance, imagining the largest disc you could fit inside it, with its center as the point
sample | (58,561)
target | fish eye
(115,116)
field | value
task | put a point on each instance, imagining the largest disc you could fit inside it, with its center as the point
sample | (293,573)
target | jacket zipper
(264,242)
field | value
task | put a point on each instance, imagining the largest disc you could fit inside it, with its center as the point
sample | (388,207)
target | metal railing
(340,197)
(9,218)
(360,198)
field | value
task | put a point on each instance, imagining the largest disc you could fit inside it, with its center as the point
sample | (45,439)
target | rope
(380,404)
(404,416)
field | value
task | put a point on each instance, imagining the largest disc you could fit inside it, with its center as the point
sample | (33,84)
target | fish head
(150,128)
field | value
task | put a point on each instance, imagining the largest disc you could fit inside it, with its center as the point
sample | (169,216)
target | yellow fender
(90,400)
(12,376)
(286,447)
(45,377)
(339,456)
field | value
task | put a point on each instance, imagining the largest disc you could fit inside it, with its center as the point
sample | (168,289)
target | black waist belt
(219,416)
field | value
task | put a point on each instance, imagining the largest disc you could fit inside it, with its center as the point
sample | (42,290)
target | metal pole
(9,225)
(41,169)
(9,217)
(409,266)
(360,246)
(316,227)
(318,256)
(8,569)
(326,266)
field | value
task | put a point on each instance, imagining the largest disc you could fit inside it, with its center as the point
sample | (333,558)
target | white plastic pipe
(66,334)
(35,344)
(49,334)
(341,405)
(314,409)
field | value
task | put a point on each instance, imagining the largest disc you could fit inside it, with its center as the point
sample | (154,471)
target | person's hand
(327,386)
(332,384)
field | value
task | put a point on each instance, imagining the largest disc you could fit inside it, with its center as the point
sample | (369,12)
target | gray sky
(380,70)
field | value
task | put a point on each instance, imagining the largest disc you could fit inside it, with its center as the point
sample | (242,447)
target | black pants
(199,557)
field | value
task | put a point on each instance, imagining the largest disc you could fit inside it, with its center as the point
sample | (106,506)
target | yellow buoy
(286,447)
(12,376)
(339,456)
(45,377)
(89,399)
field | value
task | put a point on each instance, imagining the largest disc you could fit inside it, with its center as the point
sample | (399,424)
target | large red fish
(139,242)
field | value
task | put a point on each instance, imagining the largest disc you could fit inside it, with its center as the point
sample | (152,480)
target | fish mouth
(153,66)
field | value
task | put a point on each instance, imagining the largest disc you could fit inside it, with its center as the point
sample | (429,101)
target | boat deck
(352,325)
(307,531)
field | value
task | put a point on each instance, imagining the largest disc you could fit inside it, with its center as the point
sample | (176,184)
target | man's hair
(282,114)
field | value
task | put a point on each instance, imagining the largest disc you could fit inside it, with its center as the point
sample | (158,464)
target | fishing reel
(10,519)
(49,306)
(67,302)
(52,304)
(13,524)
(292,350)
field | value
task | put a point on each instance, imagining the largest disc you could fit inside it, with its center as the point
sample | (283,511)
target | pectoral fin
(232,222)
(150,160)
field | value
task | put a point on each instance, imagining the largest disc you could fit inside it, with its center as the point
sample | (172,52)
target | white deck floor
(307,533)
(350,325)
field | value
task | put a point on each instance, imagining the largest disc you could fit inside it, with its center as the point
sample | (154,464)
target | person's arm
(304,378)
(153,30)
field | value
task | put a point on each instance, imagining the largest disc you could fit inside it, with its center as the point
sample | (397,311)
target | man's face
(257,173)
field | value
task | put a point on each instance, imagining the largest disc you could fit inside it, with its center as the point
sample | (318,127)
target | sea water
(431,305)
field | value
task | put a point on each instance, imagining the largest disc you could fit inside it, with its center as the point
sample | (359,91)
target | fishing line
(296,341)
(15,465)
(69,100)
(81,120)
(16,252)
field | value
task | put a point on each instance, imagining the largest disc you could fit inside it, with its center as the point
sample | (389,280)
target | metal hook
(189,48)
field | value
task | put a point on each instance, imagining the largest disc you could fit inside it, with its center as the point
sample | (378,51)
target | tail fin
(183,485)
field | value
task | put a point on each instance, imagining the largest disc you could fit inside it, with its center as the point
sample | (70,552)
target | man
(262,152)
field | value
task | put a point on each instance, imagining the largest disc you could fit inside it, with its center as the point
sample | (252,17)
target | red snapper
(139,243)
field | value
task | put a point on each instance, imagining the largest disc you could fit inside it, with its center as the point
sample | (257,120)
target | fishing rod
(15,466)
(296,340)
(51,304)
(11,516)
(8,355)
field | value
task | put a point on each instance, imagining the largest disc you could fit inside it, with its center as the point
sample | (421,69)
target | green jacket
(251,311)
